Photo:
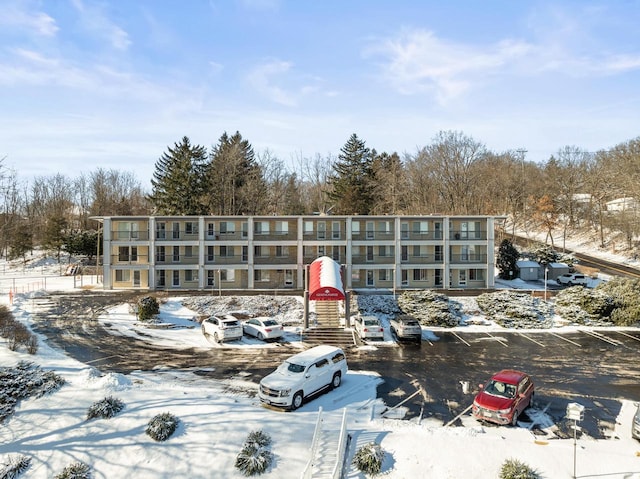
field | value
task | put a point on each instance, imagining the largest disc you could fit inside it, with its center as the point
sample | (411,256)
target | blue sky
(87,84)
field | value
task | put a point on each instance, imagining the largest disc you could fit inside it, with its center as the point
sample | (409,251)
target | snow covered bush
(626,296)
(515,310)
(162,426)
(255,457)
(23,381)
(16,333)
(584,306)
(514,469)
(105,408)
(77,470)
(14,467)
(368,458)
(430,308)
(147,307)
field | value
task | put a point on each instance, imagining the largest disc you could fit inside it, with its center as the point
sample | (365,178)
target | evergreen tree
(54,234)
(234,180)
(389,184)
(507,258)
(177,180)
(20,240)
(352,180)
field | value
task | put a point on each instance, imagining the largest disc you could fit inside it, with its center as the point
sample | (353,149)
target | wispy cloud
(17,15)
(96,21)
(418,61)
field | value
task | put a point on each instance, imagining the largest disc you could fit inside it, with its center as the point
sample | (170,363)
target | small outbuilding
(557,269)
(528,270)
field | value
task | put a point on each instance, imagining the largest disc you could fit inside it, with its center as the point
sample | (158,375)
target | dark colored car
(504,397)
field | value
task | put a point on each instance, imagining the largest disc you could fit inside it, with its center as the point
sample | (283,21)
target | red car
(504,397)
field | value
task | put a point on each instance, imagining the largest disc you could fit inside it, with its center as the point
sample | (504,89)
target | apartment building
(272,252)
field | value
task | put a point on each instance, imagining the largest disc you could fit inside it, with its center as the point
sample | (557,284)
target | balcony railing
(423,259)
(456,235)
(176,259)
(421,235)
(469,258)
(121,259)
(372,259)
(130,235)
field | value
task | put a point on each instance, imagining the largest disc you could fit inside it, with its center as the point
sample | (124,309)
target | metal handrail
(342,447)
(308,469)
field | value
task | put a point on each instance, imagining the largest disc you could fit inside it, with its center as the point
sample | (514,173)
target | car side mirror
(521,395)
(307,375)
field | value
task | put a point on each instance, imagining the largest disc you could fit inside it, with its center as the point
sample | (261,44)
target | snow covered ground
(217,416)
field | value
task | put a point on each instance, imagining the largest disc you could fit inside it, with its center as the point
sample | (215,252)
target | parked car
(302,375)
(572,279)
(368,327)
(222,328)
(406,327)
(263,328)
(504,397)
(635,425)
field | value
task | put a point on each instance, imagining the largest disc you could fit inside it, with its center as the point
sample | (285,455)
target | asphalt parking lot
(594,368)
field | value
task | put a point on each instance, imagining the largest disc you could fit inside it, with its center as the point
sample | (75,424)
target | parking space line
(567,340)
(628,335)
(460,338)
(500,340)
(532,340)
(602,337)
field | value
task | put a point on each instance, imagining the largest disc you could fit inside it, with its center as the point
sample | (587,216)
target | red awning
(325,280)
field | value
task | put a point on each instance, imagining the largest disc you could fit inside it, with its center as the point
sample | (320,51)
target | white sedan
(263,328)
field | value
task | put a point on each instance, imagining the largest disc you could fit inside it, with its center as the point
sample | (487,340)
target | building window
(227,227)
(370,230)
(123,253)
(420,274)
(384,227)
(227,275)
(438,253)
(225,251)
(370,278)
(257,251)
(160,253)
(383,274)
(417,252)
(382,251)
(176,230)
(261,275)
(476,275)
(261,227)
(162,278)
(123,275)
(191,275)
(404,253)
(282,251)
(420,227)
(176,278)
(404,230)
(211,256)
(335,230)
(322,230)
(355,228)
(176,254)
(335,253)
(211,277)
(321,251)
(245,254)
(188,251)
(161,230)
(369,253)
(282,227)
(404,275)
(191,228)
(308,227)
(438,277)
(211,230)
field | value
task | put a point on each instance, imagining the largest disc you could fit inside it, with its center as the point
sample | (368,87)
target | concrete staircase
(327,329)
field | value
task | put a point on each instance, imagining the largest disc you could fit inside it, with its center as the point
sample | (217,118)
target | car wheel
(514,419)
(216,338)
(297,400)
(204,331)
(558,281)
(531,399)
(260,336)
(336,381)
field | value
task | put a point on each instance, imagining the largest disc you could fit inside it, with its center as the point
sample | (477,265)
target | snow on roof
(527,264)
(325,280)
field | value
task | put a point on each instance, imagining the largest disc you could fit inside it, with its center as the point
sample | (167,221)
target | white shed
(528,270)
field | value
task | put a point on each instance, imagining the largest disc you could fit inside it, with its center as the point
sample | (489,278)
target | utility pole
(521,154)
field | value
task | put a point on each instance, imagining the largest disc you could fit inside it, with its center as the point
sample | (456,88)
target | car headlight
(636,420)
(504,411)
(285,392)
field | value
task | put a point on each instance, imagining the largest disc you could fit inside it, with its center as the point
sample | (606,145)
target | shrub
(162,426)
(255,457)
(14,467)
(514,469)
(77,470)
(368,458)
(148,307)
(105,409)
(431,309)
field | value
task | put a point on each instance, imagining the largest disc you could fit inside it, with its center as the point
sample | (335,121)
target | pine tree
(352,179)
(178,180)
(507,259)
(234,181)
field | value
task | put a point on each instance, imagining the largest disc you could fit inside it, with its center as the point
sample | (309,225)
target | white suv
(406,327)
(302,375)
(368,327)
(572,279)
(221,329)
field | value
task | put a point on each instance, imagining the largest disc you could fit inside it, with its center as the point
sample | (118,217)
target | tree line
(453,175)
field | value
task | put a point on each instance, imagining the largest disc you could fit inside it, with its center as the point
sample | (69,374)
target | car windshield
(370,322)
(230,324)
(498,388)
(294,368)
(270,322)
(411,323)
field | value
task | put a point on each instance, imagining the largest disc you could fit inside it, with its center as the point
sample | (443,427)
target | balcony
(469,258)
(130,235)
(176,259)
(423,259)
(457,235)
(421,235)
(130,259)
(363,259)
